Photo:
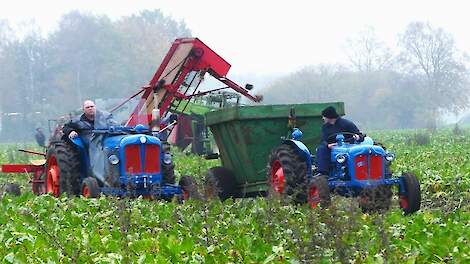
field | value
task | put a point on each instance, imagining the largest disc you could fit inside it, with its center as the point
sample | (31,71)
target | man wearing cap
(333,124)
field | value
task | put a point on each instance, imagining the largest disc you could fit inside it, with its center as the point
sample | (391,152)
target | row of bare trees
(410,86)
(88,56)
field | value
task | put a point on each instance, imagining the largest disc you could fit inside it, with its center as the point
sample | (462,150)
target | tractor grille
(368,167)
(142,159)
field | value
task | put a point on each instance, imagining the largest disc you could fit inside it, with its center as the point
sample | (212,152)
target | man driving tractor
(333,125)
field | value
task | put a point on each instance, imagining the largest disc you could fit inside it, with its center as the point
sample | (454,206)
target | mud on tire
(294,168)
(67,160)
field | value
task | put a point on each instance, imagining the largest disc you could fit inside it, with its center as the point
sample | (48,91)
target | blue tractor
(357,169)
(118,161)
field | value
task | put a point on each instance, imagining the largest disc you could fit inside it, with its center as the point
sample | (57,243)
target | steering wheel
(349,140)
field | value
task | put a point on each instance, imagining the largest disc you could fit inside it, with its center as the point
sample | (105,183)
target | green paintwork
(246,135)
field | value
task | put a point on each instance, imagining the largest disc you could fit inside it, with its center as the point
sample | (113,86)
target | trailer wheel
(410,198)
(319,192)
(90,188)
(11,189)
(220,182)
(287,172)
(62,170)
(189,188)
(375,199)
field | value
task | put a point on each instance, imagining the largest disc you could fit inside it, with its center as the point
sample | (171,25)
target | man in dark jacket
(83,126)
(333,125)
(40,137)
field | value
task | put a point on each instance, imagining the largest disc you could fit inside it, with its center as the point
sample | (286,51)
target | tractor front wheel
(189,188)
(319,192)
(90,188)
(220,182)
(410,197)
(287,173)
(62,169)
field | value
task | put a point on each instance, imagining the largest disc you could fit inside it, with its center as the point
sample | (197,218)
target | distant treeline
(88,56)
(411,86)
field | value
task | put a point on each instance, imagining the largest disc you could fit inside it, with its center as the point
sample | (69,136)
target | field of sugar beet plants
(43,229)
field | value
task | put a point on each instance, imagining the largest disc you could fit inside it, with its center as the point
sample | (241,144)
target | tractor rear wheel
(287,173)
(62,169)
(90,188)
(410,198)
(189,188)
(319,192)
(11,189)
(220,182)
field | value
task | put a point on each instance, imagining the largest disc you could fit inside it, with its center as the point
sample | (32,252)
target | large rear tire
(287,173)
(220,182)
(410,197)
(62,169)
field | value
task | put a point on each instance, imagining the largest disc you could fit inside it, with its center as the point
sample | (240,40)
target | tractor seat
(38,162)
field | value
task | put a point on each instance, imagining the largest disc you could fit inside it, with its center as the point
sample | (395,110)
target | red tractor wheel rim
(53,176)
(313,196)
(277,177)
(185,195)
(86,192)
(403,202)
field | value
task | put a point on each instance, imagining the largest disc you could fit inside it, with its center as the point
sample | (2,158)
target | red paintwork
(277,177)
(133,163)
(53,177)
(313,196)
(360,163)
(376,169)
(86,191)
(403,202)
(152,159)
(21,168)
(186,55)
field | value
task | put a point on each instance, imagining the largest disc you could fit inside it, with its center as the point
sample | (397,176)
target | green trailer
(245,136)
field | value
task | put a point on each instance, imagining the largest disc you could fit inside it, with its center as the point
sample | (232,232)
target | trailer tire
(287,173)
(62,169)
(410,198)
(90,188)
(220,182)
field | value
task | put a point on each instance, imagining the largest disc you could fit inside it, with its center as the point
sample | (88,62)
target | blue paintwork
(115,139)
(342,178)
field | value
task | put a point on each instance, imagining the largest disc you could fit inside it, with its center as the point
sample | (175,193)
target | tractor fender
(303,151)
(78,142)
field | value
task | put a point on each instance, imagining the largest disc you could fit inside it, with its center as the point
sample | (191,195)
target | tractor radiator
(142,159)
(368,167)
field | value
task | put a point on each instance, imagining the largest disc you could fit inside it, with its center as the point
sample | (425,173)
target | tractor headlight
(167,158)
(389,156)
(113,159)
(143,140)
(341,158)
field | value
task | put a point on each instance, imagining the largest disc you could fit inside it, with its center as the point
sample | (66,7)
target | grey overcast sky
(269,37)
